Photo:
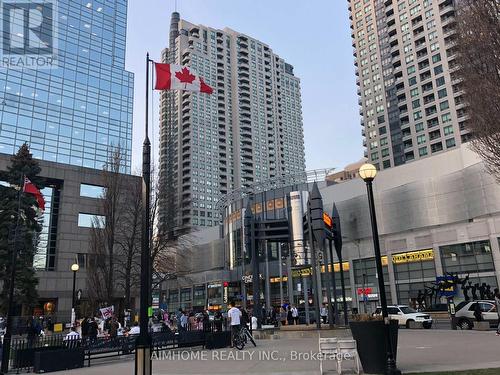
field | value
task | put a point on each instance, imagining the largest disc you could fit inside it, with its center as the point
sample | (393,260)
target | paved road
(419,351)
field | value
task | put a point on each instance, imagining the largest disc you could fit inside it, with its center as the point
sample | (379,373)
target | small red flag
(30,188)
(176,77)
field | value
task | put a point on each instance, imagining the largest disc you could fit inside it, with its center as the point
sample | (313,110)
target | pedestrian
(283,315)
(295,315)
(93,329)
(206,321)
(218,321)
(178,317)
(245,319)
(234,315)
(85,328)
(184,321)
(324,313)
(113,328)
(135,330)
(477,312)
(497,304)
(289,316)
(193,324)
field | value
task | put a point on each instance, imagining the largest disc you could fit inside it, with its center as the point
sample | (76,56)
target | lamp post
(368,172)
(74,267)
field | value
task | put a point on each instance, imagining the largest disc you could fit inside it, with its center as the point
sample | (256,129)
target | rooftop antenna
(176,5)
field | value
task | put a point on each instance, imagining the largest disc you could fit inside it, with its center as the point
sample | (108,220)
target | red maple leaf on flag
(185,76)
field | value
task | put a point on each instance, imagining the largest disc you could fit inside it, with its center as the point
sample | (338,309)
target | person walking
(497,304)
(178,317)
(218,321)
(184,321)
(295,315)
(234,315)
(323,313)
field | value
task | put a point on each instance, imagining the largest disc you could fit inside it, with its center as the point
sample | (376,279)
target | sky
(313,36)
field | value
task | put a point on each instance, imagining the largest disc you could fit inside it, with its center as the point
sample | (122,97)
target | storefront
(413,272)
(365,279)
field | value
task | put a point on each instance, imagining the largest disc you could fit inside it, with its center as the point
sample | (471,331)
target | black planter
(372,345)
(58,360)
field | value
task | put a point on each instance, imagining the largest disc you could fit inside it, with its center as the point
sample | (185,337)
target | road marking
(423,347)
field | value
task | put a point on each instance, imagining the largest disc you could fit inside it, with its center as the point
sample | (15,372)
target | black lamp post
(74,267)
(368,172)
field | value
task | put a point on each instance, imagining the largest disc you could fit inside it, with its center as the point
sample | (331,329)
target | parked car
(464,313)
(405,315)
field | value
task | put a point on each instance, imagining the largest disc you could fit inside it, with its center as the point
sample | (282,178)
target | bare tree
(129,244)
(170,256)
(478,46)
(115,238)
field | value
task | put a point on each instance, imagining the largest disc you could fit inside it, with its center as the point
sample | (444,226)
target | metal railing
(23,349)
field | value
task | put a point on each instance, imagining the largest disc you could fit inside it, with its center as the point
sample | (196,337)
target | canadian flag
(30,188)
(176,77)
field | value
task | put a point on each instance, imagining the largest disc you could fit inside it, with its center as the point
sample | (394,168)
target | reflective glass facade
(72,114)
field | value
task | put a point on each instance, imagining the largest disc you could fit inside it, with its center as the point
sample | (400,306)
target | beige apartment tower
(410,93)
(248,131)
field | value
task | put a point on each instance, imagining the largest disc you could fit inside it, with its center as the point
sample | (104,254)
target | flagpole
(143,342)
(10,307)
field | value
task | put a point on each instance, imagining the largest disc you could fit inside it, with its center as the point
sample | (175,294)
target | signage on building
(225,294)
(413,256)
(364,291)
(327,220)
(217,285)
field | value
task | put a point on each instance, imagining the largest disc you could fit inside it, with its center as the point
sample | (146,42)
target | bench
(339,351)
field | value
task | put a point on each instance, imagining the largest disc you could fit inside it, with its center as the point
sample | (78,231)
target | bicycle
(242,337)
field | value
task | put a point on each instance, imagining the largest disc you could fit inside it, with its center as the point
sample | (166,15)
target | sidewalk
(419,351)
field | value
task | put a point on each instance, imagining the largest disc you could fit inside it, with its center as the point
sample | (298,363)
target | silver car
(465,313)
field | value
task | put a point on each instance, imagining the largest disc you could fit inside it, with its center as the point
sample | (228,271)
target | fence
(23,349)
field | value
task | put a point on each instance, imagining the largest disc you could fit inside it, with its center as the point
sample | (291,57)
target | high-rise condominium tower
(408,85)
(249,130)
(73,111)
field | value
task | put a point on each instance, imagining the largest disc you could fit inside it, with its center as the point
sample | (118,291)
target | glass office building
(75,111)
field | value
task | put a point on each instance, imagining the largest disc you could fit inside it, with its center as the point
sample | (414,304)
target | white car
(405,315)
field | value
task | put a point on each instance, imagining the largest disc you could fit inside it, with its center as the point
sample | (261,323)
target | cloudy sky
(313,36)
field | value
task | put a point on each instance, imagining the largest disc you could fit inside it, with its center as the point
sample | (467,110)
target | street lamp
(74,267)
(368,172)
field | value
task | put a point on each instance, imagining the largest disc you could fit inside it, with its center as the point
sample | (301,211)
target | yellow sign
(278,279)
(413,256)
(58,327)
(308,271)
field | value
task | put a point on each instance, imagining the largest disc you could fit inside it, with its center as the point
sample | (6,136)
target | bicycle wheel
(239,343)
(247,334)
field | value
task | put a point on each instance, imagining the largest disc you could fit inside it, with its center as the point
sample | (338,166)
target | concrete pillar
(392,279)
(495,247)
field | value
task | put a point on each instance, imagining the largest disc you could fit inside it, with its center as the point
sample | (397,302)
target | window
(419,127)
(422,151)
(446,118)
(385,152)
(440,81)
(92,191)
(442,94)
(436,58)
(467,257)
(91,220)
(416,103)
(450,143)
(438,69)
(448,130)
(421,139)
